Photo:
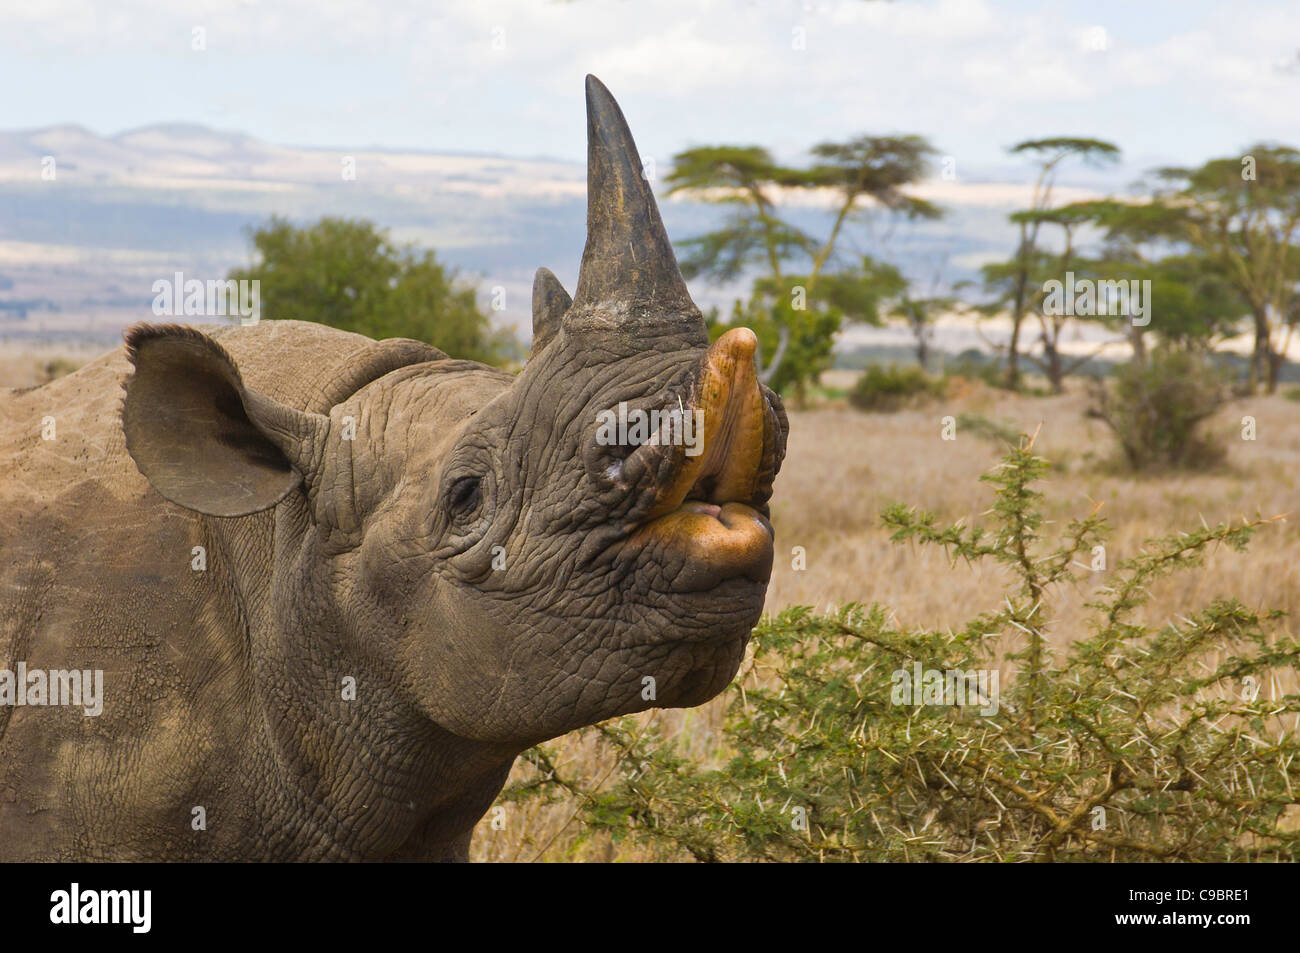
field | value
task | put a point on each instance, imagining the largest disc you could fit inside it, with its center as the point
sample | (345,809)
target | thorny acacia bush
(1177,734)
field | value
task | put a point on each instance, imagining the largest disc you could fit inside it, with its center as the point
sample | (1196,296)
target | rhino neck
(366,777)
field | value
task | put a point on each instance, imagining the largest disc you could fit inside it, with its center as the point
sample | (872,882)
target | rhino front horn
(629,275)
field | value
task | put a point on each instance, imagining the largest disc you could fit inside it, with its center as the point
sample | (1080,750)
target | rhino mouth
(709,509)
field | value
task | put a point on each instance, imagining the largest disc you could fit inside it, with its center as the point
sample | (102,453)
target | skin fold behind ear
(201,438)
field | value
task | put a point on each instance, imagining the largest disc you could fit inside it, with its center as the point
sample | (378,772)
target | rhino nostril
(704,488)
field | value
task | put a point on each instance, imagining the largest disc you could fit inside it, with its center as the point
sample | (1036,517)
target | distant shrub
(1156,409)
(968,365)
(1292,393)
(1170,743)
(351,275)
(58,367)
(995,431)
(887,388)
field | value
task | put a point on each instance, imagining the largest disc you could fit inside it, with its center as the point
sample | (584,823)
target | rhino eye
(463,496)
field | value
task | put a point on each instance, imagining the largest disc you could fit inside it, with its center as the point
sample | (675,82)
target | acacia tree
(742,177)
(797,315)
(1194,303)
(1052,325)
(1243,213)
(1190,303)
(752,237)
(1012,281)
(875,168)
(804,336)
(920,312)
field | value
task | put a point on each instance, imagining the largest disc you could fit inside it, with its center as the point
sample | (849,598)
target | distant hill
(122,211)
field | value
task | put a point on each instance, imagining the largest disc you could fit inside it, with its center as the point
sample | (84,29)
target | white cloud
(971,74)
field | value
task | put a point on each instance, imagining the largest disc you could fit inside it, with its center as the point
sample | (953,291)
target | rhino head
(488,547)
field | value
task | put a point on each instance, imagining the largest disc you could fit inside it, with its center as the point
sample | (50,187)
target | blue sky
(1166,81)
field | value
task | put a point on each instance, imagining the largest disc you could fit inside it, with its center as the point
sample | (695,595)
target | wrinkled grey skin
(365,555)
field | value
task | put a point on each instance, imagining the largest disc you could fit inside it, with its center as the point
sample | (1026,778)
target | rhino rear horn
(550,302)
(204,440)
(629,273)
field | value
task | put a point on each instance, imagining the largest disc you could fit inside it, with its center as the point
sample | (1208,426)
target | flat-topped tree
(1012,282)
(801,293)
(1243,212)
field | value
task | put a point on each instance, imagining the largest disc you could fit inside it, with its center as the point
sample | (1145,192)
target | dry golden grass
(844,467)
(27,366)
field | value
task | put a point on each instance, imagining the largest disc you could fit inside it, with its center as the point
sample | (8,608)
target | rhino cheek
(494,671)
(460,669)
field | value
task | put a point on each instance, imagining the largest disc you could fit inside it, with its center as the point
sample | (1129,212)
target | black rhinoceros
(335,586)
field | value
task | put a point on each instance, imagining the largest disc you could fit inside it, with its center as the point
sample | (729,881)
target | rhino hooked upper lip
(712,508)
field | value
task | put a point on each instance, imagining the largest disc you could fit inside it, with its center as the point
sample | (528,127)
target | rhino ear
(200,437)
(550,302)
